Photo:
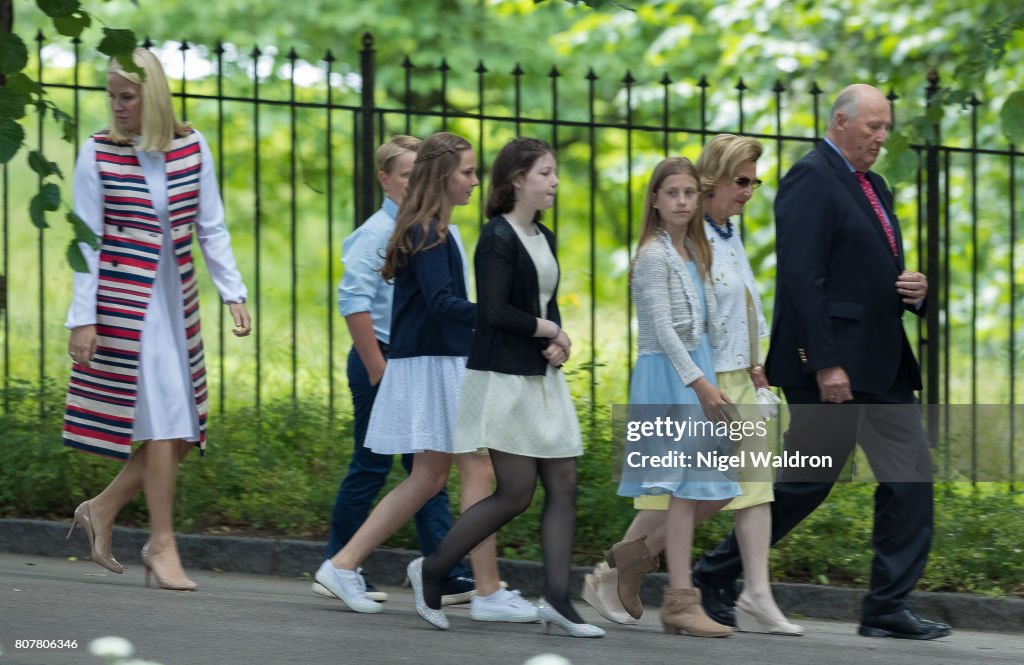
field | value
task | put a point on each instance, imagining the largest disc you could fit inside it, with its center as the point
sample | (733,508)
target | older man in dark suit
(838,339)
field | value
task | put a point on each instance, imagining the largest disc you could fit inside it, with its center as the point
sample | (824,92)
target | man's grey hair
(847,103)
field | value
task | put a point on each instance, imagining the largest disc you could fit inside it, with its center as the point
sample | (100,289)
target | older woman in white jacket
(728,176)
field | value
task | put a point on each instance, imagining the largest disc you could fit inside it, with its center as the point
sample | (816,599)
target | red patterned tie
(869,192)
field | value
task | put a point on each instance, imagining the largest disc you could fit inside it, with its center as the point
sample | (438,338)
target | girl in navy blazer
(431,329)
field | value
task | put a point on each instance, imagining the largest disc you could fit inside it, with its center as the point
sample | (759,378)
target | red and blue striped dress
(148,378)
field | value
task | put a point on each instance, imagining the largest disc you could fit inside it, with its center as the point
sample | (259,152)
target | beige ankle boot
(632,560)
(681,612)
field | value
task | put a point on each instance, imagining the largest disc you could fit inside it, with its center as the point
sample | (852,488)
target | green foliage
(1012,115)
(13,53)
(119,44)
(276,473)
(11,136)
(47,199)
(20,92)
(58,8)
(73,25)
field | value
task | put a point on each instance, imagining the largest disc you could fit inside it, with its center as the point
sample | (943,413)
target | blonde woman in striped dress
(145,186)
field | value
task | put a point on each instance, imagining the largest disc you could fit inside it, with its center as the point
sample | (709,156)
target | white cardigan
(669,316)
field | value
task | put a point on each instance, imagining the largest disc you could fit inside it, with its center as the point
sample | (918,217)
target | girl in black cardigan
(515,400)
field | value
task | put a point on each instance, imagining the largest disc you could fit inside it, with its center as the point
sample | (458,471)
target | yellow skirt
(755,483)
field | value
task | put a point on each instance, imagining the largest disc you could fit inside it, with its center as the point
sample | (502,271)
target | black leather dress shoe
(718,602)
(938,624)
(903,624)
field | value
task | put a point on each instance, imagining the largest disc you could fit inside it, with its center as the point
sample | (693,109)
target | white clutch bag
(768,403)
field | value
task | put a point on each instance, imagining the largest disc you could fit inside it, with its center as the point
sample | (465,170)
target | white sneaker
(371,591)
(502,605)
(347,585)
(374,594)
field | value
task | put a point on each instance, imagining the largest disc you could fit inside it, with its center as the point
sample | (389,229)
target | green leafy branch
(982,56)
(19,93)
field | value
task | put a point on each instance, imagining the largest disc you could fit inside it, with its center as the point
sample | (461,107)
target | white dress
(165,407)
(523,415)
(415,407)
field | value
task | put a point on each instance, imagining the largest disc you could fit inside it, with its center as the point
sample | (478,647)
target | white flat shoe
(435,618)
(549,615)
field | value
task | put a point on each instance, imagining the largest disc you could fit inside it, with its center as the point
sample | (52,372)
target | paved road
(239,619)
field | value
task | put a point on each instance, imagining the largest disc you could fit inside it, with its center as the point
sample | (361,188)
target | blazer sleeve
(651,274)
(435,280)
(495,274)
(804,228)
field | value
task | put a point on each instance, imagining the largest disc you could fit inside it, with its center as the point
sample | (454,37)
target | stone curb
(300,558)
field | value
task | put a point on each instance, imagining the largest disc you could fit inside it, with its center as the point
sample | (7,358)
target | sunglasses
(747,182)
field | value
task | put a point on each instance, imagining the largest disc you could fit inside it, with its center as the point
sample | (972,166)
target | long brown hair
(426,200)
(699,244)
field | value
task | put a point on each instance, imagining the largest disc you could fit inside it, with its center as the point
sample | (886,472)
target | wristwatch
(240,301)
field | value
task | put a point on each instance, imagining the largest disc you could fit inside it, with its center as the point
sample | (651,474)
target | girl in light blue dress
(674,378)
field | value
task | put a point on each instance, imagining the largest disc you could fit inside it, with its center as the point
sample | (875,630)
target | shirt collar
(390,207)
(845,161)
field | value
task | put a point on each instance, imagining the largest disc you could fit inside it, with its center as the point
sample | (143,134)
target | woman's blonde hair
(426,200)
(721,158)
(159,126)
(698,240)
(399,144)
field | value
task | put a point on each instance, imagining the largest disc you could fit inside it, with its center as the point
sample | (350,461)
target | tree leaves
(58,8)
(47,199)
(901,159)
(42,166)
(13,53)
(73,25)
(75,257)
(82,231)
(12,103)
(119,43)
(66,122)
(83,234)
(11,136)
(1012,117)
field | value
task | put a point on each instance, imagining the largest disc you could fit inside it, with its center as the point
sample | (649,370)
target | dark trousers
(367,473)
(889,430)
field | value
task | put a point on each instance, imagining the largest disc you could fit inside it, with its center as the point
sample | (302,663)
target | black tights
(516,478)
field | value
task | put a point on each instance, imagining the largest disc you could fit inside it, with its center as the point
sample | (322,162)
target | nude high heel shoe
(752,620)
(105,559)
(600,590)
(183,584)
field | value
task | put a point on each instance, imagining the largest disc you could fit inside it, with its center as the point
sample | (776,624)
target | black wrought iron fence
(295,163)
